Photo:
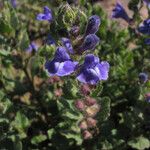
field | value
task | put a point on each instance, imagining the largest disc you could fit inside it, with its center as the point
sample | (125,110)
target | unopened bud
(54,79)
(143,77)
(86,135)
(79,104)
(91,122)
(85,89)
(92,110)
(83,125)
(90,42)
(75,30)
(58,92)
(93,25)
(89,101)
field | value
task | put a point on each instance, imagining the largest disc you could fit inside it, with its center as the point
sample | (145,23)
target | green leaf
(70,89)
(6,105)
(14,19)
(4,53)
(47,51)
(21,123)
(106,145)
(24,40)
(97,91)
(139,143)
(5,27)
(22,120)
(105,109)
(17,144)
(50,133)
(38,139)
(76,137)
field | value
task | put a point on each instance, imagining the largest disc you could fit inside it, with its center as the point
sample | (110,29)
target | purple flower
(119,12)
(50,40)
(145,27)
(93,25)
(93,70)
(14,3)
(143,77)
(147,41)
(147,2)
(32,47)
(90,42)
(61,65)
(67,44)
(46,15)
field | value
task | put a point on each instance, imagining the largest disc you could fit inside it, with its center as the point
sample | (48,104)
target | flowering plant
(72,77)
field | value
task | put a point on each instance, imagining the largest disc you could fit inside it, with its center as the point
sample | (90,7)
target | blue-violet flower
(119,12)
(14,3)
(93,25)
(50,40)
(61,65)
(67,44)
(147,41)
(46,15)
(147,2)
(93,70)
(32,47)
(90,42)
(145,27)
(143,77)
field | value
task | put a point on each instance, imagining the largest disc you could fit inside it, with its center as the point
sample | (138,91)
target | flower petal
(47,10)
(41,17)
(67,43)
(61,54)
(52,67)
(119,12)
(91,60)
(66,68)
(104,69)
(88,76)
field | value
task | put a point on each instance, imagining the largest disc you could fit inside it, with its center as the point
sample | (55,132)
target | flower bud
(93,25)
(79,104)
(66,15)
(58,92)
(86,135)
(91,122)
(50,40)
(92,110)
(119,12)
(90,42)
(75,30)
(54,79)
(83,125)
(89,101)
(85,89)
(147,41)
(13,3)
(143,77)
